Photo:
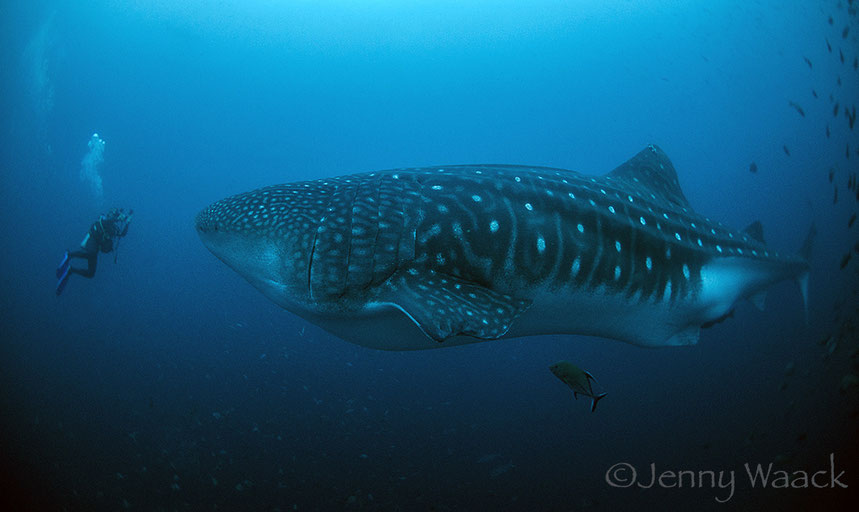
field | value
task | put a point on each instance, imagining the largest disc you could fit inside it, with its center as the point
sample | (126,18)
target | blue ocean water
(168,383)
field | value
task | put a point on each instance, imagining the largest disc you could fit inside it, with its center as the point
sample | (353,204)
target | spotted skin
(462,252)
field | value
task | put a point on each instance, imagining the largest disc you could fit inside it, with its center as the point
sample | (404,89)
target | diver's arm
(127,222)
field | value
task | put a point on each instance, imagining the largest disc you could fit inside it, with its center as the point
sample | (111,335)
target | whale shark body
(419,258)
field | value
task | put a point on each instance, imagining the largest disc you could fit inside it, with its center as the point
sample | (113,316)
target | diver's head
(117,214)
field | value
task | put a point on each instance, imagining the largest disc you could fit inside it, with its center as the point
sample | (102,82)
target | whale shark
(419,258)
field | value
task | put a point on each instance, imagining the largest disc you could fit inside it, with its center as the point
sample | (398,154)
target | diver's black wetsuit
(100,237)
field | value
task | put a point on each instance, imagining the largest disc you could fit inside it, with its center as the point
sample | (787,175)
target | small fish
(831,21)
(797,107)
(814,93)
(838,80)
(851,116)
(841,55)
(808,61)
(832,344)
(831,174)
(500,470)
(827,131)
(578,380)
(753,167)
(828,46)
(488,458)
(845,32)
(786,151)
(851,221)
(835,110)
(845,259)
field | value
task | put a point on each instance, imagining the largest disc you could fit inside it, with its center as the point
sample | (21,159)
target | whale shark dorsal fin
(444,306)
(651,172)
(756,231)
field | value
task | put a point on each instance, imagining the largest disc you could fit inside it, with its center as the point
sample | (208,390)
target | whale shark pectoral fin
(444,306)
(688,336)
(759,299)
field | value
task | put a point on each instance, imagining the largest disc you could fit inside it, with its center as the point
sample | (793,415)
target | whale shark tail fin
(802,278)
(805,250)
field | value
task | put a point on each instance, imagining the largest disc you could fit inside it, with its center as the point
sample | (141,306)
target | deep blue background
(168,383)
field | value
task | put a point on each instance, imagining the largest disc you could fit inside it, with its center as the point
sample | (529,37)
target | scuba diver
(104,236)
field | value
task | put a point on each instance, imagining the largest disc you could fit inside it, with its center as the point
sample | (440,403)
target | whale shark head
(316,244)
(249,233)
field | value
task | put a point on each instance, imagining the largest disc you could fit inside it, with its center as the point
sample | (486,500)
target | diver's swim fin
(61,284)
(64,265)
